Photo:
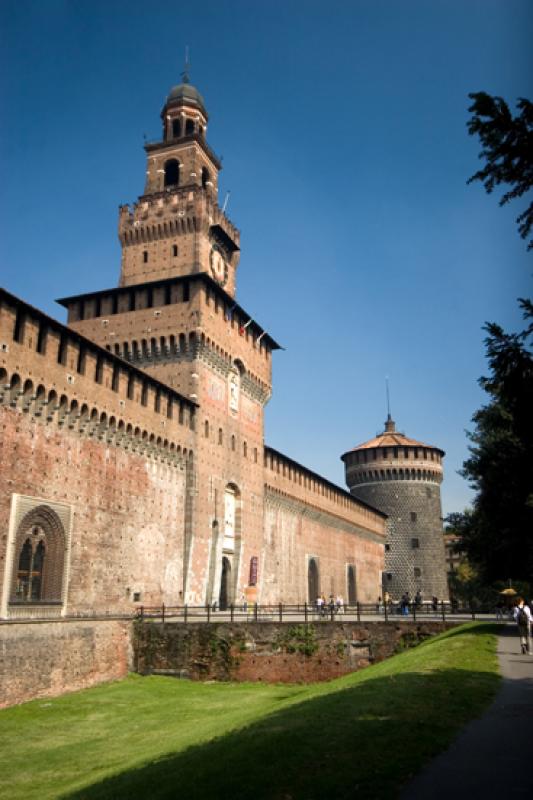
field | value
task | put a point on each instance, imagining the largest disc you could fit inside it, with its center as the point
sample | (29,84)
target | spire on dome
(390,425)
(185,74)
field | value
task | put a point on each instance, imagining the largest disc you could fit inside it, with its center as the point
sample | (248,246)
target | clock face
(219,268)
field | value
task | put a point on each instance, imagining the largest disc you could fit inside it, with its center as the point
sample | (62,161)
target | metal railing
(306,612)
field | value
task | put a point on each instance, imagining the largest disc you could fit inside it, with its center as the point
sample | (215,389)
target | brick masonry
(49,658)
(271,652)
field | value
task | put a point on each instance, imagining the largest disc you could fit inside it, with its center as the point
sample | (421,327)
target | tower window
(206,429)
(418,572)
(387,548)
(41,338)
(145,256)
(172,172)
(174,250)
(18,332)
(62,350)
(189,127)
(415,544)
(233,443)
(206,178)
(176,128)
(413,516)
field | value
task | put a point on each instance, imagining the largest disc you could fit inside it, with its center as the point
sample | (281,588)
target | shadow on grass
(362,741)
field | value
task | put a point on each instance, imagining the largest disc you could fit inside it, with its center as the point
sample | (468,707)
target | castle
(134,468)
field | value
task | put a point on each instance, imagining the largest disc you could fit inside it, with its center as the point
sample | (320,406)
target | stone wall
(414,510)
(271,652)
(51,658)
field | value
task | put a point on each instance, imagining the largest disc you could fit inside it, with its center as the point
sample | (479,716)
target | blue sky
(343,132)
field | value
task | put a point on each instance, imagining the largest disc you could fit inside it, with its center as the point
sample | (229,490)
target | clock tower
(176,228)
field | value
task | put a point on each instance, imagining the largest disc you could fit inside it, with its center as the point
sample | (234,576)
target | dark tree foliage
(507,150)
(497,534)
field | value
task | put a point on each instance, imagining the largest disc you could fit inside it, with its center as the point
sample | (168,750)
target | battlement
(55,373)
(173,212)
(406,462)
(285,475)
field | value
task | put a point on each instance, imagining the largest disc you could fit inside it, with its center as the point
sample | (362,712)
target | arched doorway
(224,598)
(312,581)
(352,587)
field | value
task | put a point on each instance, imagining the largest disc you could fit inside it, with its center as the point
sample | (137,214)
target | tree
(497,534)
(507,149)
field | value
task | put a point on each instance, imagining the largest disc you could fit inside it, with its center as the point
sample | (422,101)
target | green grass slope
(361,736)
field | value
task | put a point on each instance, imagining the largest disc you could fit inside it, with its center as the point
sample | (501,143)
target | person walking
(319,605)
(522,616)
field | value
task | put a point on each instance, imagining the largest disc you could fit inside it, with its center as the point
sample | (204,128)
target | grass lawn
(361,736)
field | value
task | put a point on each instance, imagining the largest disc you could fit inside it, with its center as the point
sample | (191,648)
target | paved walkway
(492,757)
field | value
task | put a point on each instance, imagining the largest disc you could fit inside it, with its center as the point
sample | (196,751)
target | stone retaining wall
(45,659)
(271,652)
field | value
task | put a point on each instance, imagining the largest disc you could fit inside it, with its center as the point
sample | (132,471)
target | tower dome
(401,476)
(185,94)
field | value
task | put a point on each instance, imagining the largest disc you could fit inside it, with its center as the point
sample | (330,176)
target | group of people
(405,604)
(335,605)
(523,618)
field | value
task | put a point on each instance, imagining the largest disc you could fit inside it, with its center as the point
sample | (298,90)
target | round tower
(401,477)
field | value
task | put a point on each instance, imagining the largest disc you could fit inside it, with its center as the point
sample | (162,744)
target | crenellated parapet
(183,347)
(44,405)
(283,474)
(60,378)
(187,208)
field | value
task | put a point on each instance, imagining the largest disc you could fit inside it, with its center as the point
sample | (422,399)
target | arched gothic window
(39,558)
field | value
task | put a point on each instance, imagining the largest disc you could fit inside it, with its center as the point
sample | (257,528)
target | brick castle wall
(128,513)
(50,658)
